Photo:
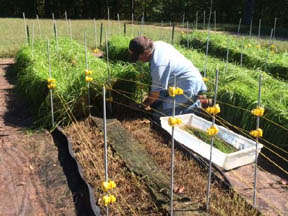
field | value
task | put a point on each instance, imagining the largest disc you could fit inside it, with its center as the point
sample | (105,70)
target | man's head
(140,48)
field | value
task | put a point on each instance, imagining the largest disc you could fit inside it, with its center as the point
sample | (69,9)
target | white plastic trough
(246,147)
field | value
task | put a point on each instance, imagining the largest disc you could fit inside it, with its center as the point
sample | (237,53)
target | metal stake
(50,90)
(172,158)
(87,68)
(211,146)
(105,141)
(239,26)
(257,127)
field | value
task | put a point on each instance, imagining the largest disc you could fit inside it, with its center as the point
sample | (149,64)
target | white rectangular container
(246,147)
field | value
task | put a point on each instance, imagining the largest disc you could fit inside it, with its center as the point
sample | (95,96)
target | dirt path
(272,191)
(32,180)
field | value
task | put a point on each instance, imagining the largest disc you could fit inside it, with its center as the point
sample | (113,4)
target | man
(166,63)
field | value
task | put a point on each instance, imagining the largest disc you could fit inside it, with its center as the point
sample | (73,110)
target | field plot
(63,79)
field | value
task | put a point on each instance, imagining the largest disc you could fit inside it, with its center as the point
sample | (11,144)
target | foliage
(254,52)
(68,66)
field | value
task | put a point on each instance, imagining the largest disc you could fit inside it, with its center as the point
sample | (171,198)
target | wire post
(50,90)
(95,33)
(105,142)
(257,140)
(118,18)
(251,23)
(211,146)
(25,29)
(239,26)
(32,43)
(87,68)
(227,55)
(259,29)
(241,48)
(66,20)
(109,72)
(172,158)
(275,22)
(39,27)
(206,55)
(268,50)
(173,29)
(55,30)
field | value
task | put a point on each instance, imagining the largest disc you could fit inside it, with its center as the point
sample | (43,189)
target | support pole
(172,159)
(257,140)
(87,68)
(105,142)
(50,90)
(211,146)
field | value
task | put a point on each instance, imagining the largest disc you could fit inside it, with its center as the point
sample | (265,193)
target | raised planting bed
(138,162)
(245,147)
(254,52)
(67,62)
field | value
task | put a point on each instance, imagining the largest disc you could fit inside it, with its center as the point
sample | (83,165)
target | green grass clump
(239,87)
(68,66)
(254,52)
(118,48)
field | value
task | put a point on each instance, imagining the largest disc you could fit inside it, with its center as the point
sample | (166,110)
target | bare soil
(32,179)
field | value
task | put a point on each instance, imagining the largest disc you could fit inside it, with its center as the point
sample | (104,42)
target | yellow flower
(258,46)
(213,130)
(182,32)
(88,79)
(249,45)
(273,46)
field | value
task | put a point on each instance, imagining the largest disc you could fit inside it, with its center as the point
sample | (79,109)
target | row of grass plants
(254,51)
(238,92)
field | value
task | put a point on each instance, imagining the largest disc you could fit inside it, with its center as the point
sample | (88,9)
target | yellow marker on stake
(174,121)
(213,130)
(259,111)
(175,91)
(213,110)
(257,133)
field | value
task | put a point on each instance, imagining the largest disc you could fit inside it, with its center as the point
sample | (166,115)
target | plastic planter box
(246,147)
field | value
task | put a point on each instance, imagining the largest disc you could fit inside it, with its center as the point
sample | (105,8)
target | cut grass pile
(218,142)
(67,60)
(254,51)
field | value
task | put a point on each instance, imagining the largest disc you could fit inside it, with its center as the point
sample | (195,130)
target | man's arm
(153,96)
